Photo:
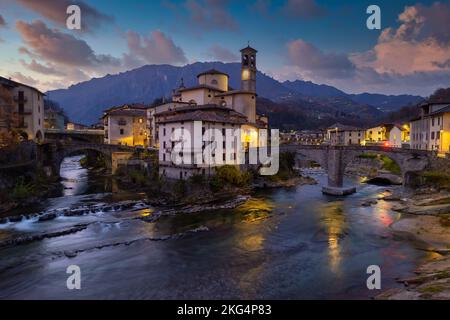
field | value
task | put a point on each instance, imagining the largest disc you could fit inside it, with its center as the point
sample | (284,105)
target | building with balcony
(22,110)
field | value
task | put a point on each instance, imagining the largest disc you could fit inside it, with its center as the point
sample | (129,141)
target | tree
(440,95)
(9,120)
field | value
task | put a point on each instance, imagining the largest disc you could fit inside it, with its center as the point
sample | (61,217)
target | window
(432,135)
(164,157)
(164,145)
(140,120)
(164,131)
(121,131)
(438,135)
(214,82)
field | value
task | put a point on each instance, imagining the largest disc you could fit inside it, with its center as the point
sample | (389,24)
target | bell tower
(248,61)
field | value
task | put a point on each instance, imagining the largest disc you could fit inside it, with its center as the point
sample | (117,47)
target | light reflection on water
(284,243)
(333,220)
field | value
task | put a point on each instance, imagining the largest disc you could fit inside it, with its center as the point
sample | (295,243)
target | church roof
(208,113)
(250,49)
(212,71)
(200,86)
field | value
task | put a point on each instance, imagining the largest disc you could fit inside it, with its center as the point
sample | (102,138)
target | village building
(211,104)
(54,119)
(340,134)
(388,135)
(126,125)
(22,108)
(431,130)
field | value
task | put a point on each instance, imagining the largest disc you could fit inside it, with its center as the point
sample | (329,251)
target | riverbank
(426,218)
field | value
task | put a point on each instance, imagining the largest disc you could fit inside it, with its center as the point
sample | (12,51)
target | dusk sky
(322,41)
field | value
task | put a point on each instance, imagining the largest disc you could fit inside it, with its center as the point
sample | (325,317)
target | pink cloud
(156,48)
(55,11)
(220,53)
(58,47)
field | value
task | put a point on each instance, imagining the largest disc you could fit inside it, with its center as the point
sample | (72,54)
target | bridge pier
(335,168)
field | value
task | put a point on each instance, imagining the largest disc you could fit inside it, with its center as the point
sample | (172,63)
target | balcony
(20,99)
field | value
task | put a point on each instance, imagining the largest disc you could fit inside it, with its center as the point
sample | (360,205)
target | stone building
(211,104)
(127,125)
(24,104)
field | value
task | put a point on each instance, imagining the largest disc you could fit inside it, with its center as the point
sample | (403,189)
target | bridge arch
(334,159)
(87,150)
(408,162)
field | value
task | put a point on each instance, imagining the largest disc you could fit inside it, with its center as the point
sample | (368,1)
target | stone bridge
(53,153)
(76,135)
(334,159)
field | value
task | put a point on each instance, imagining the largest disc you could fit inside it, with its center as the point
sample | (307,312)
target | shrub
(138,177)
(390,165)
(22,190)
(180,188)
(368,156)
(197,178)
(437,179)
(229,176)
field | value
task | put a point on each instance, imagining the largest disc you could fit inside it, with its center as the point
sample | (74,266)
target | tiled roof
(128,112)
(203,116)
(212,71)
(192,107)
(10,82)
(212,113)
(200,86)
(236,92)
(442,110)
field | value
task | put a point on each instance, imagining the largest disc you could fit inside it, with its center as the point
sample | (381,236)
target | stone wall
(439,164)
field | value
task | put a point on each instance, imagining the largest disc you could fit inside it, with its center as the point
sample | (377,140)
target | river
(310,246)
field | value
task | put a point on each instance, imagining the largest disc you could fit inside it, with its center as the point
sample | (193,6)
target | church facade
(208,109)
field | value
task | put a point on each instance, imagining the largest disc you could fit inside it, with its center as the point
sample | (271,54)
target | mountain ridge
(84,102)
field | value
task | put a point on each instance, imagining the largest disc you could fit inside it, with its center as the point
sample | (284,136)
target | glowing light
(245,74)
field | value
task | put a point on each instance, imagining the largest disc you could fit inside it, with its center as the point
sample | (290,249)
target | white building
(339,134)
(27,109)
(431,130)
(209,105)
(126,125)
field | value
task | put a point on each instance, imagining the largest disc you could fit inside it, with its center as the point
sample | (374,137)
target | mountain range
(84,102)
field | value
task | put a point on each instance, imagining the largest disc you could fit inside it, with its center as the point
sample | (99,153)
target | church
(211,104)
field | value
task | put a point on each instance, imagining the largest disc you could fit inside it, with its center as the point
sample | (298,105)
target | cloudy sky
(318,40)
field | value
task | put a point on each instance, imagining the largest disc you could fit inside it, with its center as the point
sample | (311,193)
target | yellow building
(126,125)
(431,130)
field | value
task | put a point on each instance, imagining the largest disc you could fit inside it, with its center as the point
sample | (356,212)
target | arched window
(192,101)
(214,82)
